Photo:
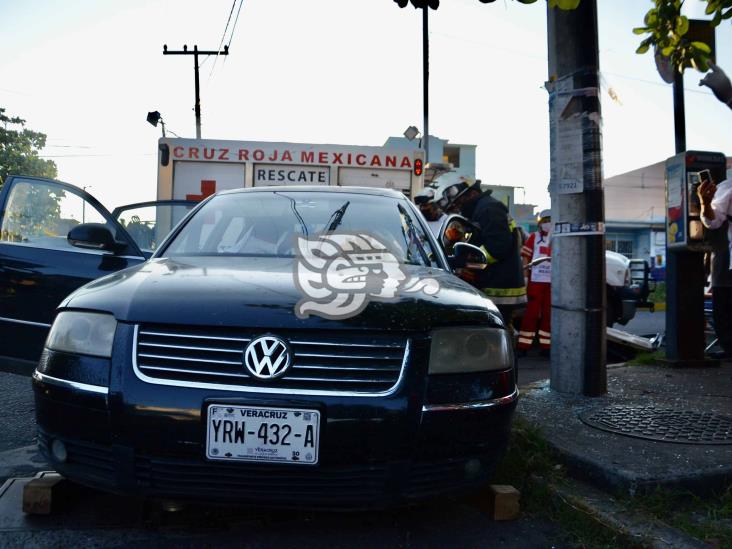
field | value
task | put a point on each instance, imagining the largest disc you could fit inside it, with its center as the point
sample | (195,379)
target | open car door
(40,264)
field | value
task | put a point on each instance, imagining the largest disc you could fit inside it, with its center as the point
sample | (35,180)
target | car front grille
(264,484)
(359,363)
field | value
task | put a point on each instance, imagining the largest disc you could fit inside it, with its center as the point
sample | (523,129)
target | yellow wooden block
(500,502)
(42,494)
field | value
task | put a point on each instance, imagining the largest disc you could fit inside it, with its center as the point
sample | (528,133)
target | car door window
(42,214)
(149,224)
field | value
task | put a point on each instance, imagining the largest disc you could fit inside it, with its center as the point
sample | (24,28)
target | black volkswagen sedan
(292,346)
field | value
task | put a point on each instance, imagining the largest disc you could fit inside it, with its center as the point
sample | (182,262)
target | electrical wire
(233,29)
(223,37)
(89,155)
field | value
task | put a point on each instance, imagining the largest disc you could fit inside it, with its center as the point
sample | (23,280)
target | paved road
(104,521)
(646,323)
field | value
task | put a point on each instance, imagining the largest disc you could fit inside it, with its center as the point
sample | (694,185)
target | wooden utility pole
(195,53)
(578,241)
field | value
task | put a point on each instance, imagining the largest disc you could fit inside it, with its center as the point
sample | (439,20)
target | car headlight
(464,350)
(82,333)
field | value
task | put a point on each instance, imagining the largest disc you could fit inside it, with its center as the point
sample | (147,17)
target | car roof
(373,191)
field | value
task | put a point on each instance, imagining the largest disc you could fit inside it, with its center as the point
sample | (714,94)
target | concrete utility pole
(578,243)
(195,53)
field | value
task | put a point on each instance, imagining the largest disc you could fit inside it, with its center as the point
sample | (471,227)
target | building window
(620,245)
(451,155)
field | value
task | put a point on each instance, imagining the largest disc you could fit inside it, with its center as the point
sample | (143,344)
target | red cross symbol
(208,187)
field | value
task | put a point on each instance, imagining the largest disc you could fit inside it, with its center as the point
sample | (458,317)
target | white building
(454,160)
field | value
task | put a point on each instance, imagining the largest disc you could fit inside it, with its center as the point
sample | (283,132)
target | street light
(153,117)
(411,132)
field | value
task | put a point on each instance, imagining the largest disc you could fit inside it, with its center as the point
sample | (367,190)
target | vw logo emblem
(267,357)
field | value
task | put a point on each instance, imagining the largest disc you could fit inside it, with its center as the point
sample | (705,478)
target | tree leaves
(19,148)
(668,29)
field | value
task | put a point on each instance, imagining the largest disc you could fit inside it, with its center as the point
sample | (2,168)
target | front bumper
(149,440)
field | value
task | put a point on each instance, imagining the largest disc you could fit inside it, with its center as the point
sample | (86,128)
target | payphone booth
(686,242)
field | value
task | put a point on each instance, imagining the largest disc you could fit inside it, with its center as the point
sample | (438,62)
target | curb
(637,528)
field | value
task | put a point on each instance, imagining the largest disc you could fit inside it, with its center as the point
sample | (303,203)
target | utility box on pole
(578,243)
(686,242)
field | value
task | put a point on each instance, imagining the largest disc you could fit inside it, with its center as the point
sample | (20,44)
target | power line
(539,58)
(223,36)
(69,146)
(692,90)
(90,155)
(233,29)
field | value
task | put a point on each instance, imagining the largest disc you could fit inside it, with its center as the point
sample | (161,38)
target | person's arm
(715,204)
(719,83)
(527,251)
(705,192)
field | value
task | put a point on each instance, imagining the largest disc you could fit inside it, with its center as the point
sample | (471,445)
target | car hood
(260,292)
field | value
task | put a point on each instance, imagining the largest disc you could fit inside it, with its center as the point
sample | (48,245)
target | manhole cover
(662,424)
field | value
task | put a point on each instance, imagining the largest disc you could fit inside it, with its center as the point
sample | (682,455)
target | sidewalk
(651,401)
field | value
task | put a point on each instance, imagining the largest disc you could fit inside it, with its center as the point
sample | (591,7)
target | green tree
(19,149)
(667,30)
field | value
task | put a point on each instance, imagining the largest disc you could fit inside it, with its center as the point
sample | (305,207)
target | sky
(86,72)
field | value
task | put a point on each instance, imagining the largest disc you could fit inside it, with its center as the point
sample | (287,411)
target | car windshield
(267,224)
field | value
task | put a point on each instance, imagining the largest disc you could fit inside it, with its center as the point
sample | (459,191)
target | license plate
(246,433)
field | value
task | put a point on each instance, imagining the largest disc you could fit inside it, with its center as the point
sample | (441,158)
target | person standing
(539,288)
(716,213)
(499,238)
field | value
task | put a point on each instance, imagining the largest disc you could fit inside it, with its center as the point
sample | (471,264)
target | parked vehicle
(628,287)
(196,375)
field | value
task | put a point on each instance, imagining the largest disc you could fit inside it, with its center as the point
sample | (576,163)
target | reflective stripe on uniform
(525,340)
(545,334)
(505,292)
(518,300)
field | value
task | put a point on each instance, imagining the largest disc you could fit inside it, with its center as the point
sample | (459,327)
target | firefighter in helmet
(498,236)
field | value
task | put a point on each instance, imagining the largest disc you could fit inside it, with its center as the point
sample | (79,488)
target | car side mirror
(94,236)
(467,256)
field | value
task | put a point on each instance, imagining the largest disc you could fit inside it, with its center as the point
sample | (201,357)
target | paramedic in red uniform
(539,289)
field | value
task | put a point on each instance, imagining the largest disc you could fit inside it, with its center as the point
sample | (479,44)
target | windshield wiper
(413,236)
(293,205)
(336,217)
